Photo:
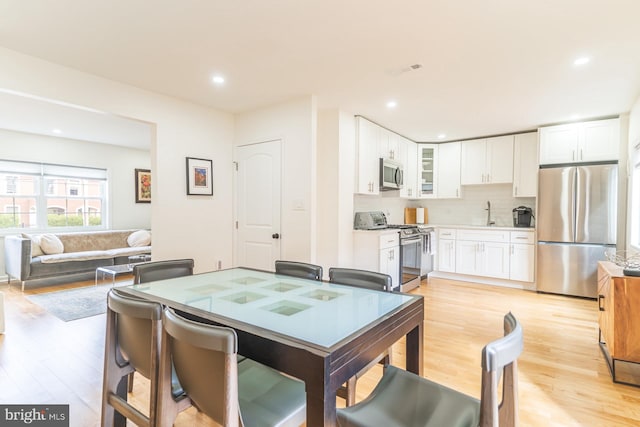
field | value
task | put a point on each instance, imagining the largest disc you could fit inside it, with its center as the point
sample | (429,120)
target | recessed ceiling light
(392,104)
(581,61)
(217,79)
(56,131)
(442,136)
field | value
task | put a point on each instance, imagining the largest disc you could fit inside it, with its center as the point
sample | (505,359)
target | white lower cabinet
(483,258)
(446,250)
(378,251)
(500,254)
(522,259)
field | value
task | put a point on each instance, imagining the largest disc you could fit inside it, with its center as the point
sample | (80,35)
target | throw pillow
(139,238)
(36,250)
(51,244)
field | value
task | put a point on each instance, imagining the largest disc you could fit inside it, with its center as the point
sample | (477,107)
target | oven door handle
(410,241)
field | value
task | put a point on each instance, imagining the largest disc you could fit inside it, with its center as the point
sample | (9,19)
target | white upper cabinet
(408,151)
(580,142)
(487,161)
(427,158)
(525,165)
(448,171)
(368,161)
(388,144)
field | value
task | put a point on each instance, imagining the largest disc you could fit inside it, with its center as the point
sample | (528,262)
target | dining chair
(160,270)
(231,393)
(369,280)
(133,336)
(299,269)
(402,398)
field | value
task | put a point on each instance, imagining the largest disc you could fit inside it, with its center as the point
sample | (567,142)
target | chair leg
(130,386)
(351,391)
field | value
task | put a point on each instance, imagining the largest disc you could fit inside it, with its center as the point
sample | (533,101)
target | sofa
(42,257)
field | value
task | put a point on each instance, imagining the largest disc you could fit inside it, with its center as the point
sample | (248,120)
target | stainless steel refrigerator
(576,222)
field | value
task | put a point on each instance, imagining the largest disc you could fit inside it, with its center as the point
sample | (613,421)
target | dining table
(319,332)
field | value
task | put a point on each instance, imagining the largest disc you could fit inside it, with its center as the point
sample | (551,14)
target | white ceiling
(488,67)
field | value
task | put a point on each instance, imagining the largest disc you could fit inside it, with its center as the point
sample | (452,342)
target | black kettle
(522,216)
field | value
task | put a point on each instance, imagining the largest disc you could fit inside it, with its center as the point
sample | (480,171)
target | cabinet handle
(581,157)
(488,178)
(600,299)
(511,249)
(482,177)
(515,190)
(391,255)
(573,155)
(457,193)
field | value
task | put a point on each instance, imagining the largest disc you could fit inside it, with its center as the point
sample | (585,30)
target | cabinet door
(558,144)
(448,171)
(408,151)
(390,264)
(473,162)
(522,262)
(447,255)
(468,257)
(427,154)
(525,165)
(495,259)
(499,160)
(368,176)
(599,140)
(605,308)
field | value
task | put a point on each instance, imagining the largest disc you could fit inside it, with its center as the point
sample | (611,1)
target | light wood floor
(563,377)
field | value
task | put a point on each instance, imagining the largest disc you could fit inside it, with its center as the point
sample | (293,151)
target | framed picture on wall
(143,186)
(199,177)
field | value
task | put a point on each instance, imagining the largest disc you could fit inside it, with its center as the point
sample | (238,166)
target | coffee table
(114,271)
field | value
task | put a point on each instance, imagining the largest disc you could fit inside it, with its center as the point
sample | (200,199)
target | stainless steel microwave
(391,175)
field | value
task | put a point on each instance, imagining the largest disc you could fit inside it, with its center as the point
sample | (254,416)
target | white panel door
(525,165)
(600,140)
(499,160)
(522,262)
(258,212)
(495,259)
(448,167)
(473,159)
(558,144)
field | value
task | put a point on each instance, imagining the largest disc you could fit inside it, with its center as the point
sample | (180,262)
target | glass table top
(318,313)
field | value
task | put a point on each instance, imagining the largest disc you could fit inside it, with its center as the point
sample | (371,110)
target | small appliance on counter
(522,216)
(375,220)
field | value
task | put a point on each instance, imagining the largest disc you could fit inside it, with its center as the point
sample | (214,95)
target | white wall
(196,227)
(634,140)
(336,160)
(294,123)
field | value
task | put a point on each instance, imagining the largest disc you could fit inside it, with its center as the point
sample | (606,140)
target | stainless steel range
(416,257)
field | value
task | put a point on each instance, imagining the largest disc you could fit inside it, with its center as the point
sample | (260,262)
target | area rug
(74,304)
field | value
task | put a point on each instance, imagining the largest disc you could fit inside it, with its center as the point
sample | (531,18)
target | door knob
(275,235)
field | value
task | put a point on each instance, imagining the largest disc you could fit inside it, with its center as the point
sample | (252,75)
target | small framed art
(199,177)
(143,186)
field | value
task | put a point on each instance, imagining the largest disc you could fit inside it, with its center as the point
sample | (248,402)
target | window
(51,196)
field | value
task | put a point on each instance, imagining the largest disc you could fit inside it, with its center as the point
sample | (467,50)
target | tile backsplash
(468,210)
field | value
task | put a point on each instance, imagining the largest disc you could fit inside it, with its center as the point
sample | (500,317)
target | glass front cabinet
(427,170)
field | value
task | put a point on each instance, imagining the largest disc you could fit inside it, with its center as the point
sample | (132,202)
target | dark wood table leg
(414,349)
(321,408)
(120,420)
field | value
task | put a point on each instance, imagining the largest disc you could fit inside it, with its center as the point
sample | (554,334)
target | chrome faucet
(488,209)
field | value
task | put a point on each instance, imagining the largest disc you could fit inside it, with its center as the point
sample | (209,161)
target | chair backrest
(499,358)
(360,278)
(204,358)
(137,330)
(159,270)
(299,269)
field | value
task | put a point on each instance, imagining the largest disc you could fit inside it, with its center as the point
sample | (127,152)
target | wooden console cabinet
(618,316)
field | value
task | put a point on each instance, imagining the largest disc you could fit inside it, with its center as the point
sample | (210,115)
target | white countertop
(479,227)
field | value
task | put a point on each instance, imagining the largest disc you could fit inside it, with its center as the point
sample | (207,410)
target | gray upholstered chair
(405,399)
(231,393)
(159,270)
(299,269)
(133,336)
(369,280)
